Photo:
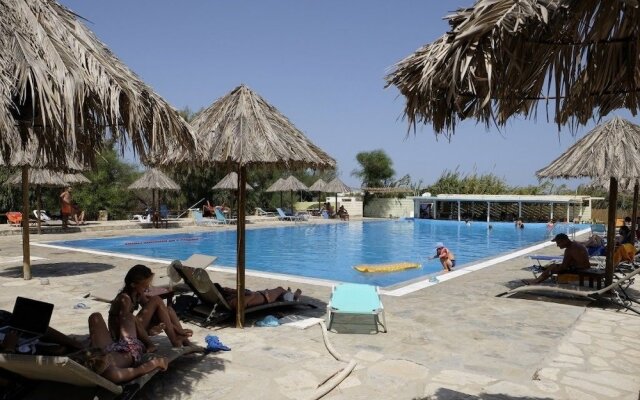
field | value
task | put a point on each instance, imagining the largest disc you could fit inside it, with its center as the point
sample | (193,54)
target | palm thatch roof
(154,179)
(230,182)
(60,85)
(318,186)
(30,156)
(501,58)
(337,186)
(610,150)
(241,128)
(39,177)
(284,185)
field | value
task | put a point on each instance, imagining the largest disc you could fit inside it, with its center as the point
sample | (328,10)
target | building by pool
(531,208)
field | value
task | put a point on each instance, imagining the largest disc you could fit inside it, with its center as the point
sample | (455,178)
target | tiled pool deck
(452,340)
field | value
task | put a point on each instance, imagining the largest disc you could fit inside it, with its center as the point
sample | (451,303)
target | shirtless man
(575,258)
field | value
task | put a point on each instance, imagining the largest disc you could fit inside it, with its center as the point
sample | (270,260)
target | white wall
(389,208)
(353,206)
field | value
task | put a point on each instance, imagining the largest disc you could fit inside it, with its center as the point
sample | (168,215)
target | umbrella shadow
(450,394)
(182,377)
(547,298)
(51,270)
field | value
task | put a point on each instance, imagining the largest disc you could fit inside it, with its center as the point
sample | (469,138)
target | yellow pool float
(390,267)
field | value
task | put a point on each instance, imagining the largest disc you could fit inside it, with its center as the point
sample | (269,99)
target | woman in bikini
(119,361)
(154,316)
(252,299)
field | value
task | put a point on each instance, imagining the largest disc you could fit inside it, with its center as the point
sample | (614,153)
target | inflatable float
(390,267)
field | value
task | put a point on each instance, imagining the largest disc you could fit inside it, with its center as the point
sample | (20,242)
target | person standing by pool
(446,256)
(66,208)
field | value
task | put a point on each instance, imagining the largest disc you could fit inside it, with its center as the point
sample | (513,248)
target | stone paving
(453,340)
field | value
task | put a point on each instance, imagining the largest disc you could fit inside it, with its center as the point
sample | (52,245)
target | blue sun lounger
(354,298)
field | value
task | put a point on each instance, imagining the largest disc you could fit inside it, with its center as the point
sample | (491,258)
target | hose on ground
(334,380)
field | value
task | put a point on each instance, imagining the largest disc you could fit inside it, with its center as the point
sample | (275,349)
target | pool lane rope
(335,379)
(162,241)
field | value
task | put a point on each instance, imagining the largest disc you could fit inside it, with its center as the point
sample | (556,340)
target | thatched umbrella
(241,130)
(60,88)
(230,182)
(501,58)
(337,186)
(275,187)
(25,158)
(290,185)
(318,186)
(154,179)
(39,178)
(610,150)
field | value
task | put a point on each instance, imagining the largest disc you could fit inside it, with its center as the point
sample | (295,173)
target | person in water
(446,256)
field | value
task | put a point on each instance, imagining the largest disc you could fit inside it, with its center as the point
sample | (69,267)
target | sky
(322,64)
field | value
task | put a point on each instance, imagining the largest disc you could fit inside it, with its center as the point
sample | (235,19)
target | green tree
(108,188)
(376,168)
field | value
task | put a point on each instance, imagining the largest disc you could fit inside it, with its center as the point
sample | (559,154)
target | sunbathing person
(208,210)
(252,299)
(575,258)
(118,361)
(153,317)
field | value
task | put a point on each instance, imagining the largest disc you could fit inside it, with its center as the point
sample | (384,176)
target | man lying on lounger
(575,258)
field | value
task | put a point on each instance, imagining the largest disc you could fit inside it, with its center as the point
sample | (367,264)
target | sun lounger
(213,307)
(355,298)
(66,370)
(220,217)
(615,292)
(262,213)
(201,221)
(284,217)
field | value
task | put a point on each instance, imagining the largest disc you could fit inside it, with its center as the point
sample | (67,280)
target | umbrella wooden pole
(26,251)
(242,191)
(634,211)
(611,230)
(39,197)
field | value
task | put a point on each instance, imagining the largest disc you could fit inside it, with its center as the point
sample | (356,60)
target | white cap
(439,245)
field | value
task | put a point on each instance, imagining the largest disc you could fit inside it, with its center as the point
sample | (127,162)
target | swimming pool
(329,251)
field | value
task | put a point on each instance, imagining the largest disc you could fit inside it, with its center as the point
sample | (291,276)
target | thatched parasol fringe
(498,58)
(56,76)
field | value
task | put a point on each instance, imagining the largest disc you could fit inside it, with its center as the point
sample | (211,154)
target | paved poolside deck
(454,340)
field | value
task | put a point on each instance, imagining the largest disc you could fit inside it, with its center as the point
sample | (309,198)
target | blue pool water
(329,251)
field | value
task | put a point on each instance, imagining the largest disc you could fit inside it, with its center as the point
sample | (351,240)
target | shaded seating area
(213,306)
(615,293)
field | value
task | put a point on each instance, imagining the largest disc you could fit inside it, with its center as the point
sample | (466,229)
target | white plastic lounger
(355,298)
(66,370)
(619,296)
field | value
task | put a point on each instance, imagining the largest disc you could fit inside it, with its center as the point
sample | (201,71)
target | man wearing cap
(447,258)
(575,258)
